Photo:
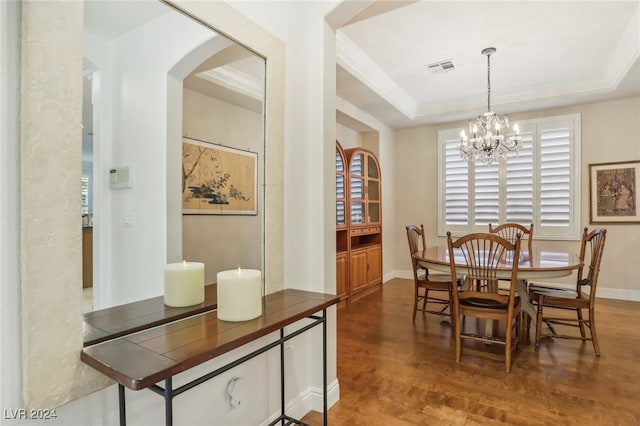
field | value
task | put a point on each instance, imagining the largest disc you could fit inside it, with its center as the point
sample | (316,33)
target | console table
(106,324)
(143,359)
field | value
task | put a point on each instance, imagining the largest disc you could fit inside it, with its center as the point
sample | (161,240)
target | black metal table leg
(324,365)
(168,402)
(123,414)
(282,375)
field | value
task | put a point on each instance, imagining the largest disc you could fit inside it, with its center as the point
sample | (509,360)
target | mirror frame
(50,229)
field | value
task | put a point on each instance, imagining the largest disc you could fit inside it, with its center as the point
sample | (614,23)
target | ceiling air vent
(442,66)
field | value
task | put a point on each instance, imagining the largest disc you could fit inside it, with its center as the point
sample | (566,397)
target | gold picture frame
(612,192)
(218,180)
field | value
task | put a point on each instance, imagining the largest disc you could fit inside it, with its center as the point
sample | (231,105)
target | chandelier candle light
(488,143)
(183,284)
(239,294)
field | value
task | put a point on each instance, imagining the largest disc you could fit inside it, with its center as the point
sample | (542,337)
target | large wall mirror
(164,71)
(164,96)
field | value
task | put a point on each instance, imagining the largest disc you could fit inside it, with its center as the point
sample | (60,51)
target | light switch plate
(120,177)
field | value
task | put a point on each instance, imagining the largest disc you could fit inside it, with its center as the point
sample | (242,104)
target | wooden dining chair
(479,257)
(426,281)
(546,296)
(510,230)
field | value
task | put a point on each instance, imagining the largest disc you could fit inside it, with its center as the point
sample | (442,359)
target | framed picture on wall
(218,180)
(612,192)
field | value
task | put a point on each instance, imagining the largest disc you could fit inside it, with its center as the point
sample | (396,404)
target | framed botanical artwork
(612,192)
(218,180)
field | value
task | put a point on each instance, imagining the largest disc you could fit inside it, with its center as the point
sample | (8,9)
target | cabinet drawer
(366,230)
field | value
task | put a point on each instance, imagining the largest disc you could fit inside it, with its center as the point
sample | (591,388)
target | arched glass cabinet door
(365,226)
(373,190)
(342,225)
(341,188)
(365,188)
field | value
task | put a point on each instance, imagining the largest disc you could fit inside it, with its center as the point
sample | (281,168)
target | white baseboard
(333,395)
(619,294)
(408,275)
(309,399)
(603,292)
(397,274)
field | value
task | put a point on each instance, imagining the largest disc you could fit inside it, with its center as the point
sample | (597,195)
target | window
(340,189)
(84,194)
(357,190)
(540,186)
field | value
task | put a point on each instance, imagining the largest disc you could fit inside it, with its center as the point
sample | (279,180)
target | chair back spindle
(510,230)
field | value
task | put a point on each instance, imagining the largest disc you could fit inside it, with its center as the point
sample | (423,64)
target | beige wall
(610,132)
(223,242)
(347,137)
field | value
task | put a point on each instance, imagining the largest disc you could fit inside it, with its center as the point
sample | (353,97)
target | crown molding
(236,81)
(625,54)
(362,67)
(368,123)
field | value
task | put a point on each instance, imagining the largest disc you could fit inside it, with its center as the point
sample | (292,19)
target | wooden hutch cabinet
(359,237)
(342,227)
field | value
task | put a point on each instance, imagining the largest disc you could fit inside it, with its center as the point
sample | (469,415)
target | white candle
(239,294)
(183,284)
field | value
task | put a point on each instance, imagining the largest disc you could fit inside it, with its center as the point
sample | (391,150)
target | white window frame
(572,122)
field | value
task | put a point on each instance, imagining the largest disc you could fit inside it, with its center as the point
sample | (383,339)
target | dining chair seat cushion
(556,296)
(550,291)
(439,277)
(488,304)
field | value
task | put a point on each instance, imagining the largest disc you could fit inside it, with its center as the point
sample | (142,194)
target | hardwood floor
(396,372)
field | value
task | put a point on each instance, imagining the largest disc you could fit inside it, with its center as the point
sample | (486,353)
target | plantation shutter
(555,177)
(84,194)
(456,186)
(340,190)
(519,188)
(357,189)
(487,194)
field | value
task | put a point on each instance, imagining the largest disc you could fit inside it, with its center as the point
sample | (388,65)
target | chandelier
(487,142)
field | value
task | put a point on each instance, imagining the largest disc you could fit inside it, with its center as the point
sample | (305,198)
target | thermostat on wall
(120,177)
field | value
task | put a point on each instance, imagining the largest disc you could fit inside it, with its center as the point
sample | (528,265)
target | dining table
(542,262)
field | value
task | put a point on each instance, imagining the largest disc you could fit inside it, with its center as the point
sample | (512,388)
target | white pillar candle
(183,284)
(239,294)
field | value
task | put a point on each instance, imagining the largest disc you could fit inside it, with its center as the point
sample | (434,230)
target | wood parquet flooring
(394,372)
